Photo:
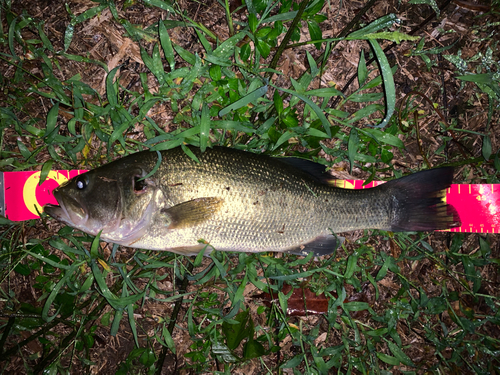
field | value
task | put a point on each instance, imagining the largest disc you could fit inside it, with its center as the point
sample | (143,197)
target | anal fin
(319,246)
(191,250)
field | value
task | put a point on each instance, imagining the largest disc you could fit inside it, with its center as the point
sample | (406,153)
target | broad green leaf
(253,349)
(131,318)
(394,36)
(166,45)
(46,42)
(168,339)
(116,322)
(233,125)
(312,64)
(46,168)
(388,359)
(226,49)
(356,306)
(111,91)
(389,87)
(254,95)
(486,147)
(352,147)
(383,137)
(317,110)
(238,331)
(204,42)
(50,299)
(90,13)
(315,32)
(436,305)
(245,52)
(219,349)
(351,265)
(204,127)
(470,270)
(399,354)
(477,78)
(68,35)
(316,133)
(362,69)
(283,300)
(215,72)
(314,7)
(160,4)
(284,137)
(278,102)
(185,55)
(50,261)
(190,153)
(378,24)
(365,97)
(294,362)
(281,17)
(325,92)
(252,22)
(263,47)
(22,269)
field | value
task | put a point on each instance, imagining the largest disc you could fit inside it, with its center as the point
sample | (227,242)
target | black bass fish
(233,200)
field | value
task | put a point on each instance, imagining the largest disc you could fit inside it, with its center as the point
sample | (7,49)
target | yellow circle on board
(29,189)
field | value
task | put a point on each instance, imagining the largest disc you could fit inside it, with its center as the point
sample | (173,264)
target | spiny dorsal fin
(194,212)
(315,170)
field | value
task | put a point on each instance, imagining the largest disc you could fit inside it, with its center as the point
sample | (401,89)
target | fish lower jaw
(119,234)
(59,213)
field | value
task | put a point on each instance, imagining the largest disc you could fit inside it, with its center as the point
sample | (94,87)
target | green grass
(433,302)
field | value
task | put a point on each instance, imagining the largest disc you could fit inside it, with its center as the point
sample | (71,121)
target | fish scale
(239,201)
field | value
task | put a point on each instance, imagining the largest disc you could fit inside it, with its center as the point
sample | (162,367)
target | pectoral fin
(191,213)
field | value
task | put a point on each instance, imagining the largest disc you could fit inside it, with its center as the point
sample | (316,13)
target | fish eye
(82,181)
(139,184)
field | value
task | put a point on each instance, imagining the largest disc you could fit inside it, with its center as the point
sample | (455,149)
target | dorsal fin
(315,170)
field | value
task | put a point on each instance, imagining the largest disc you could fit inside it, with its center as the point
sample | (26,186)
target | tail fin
(418,203)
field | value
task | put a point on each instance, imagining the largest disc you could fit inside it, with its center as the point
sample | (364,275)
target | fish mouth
(69,210)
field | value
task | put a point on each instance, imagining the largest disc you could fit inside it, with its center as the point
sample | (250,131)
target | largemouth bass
(234,200)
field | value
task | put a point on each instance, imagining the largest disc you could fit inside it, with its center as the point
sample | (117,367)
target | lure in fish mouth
(240,201)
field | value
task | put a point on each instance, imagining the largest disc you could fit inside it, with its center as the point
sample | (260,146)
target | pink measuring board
(21,197)
(477,204)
